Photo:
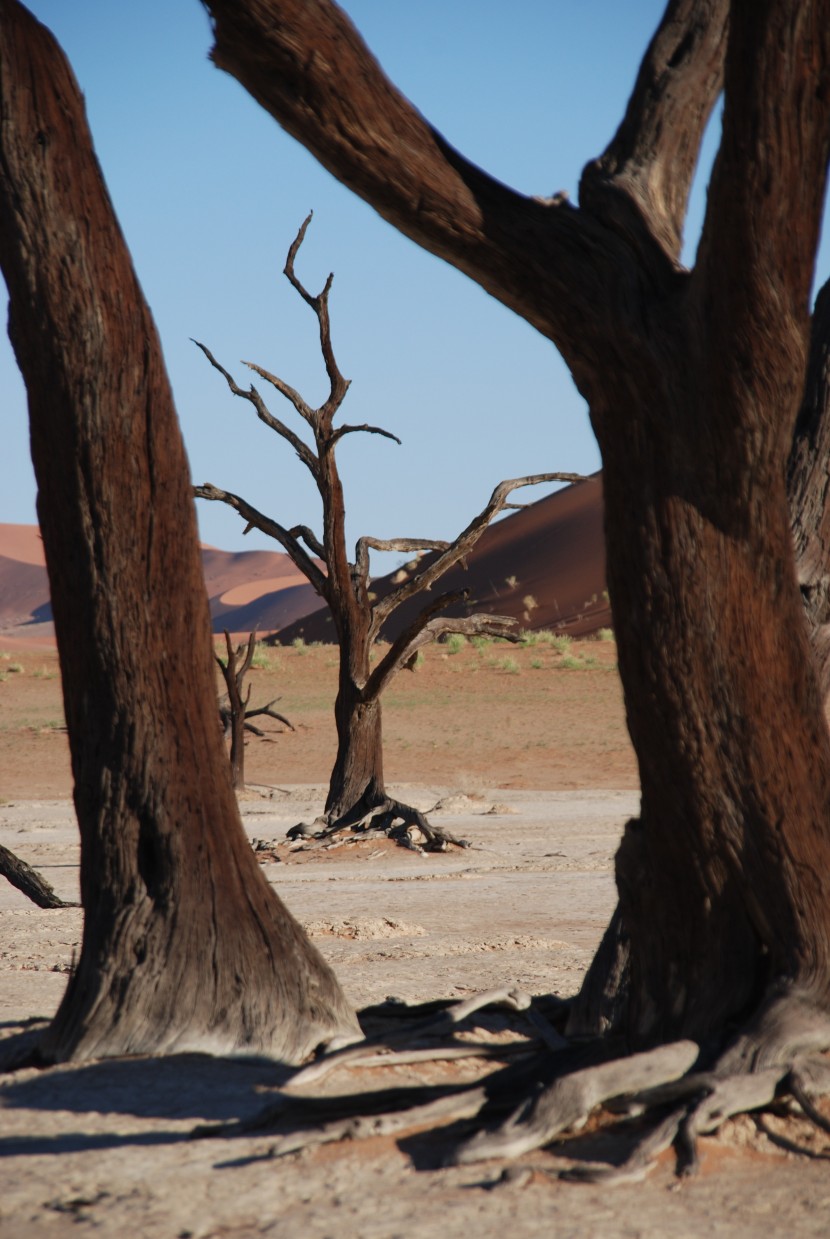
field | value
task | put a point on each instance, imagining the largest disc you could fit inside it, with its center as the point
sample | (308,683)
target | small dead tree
(356,789)
(233,709)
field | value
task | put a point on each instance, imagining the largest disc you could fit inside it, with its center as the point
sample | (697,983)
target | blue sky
(210,193)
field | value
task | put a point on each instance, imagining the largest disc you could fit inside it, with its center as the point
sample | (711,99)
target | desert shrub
(299,646)
(455,642)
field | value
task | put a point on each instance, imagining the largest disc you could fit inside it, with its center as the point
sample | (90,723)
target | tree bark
(185,945)
(809,493)
(357,776)
(693,381)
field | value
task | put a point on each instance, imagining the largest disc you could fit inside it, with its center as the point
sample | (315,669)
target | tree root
(659,1094)
(392,818)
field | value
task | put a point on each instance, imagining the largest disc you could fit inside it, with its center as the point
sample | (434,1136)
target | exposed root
(392,818)
(568,1101)
(664,1101)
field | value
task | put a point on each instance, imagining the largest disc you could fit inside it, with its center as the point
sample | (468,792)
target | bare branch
(393,544)
(463,544)
(372,430)
(424,630)
(265,525)
(270,712)
(320,305)
(308,66)
(264,414)
(652,157)
(310,538)
(285,389)
(771,171)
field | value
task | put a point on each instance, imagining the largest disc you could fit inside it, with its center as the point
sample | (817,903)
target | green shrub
(455,642)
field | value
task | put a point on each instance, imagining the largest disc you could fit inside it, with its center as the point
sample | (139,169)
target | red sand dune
(247,590)
(543,565)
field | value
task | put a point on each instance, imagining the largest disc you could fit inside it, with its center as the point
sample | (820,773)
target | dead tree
(234,714)
(185,945)
(693,379)
(356,788)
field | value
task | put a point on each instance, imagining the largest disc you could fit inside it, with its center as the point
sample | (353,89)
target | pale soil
(534,768)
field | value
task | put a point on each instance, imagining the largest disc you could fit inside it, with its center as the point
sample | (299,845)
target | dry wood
(176,908)
(29,882)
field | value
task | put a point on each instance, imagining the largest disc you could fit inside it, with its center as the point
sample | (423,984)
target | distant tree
(234,713)
(357,785)
(693,378)
(185,944)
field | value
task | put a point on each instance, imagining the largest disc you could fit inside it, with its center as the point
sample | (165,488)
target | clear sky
(210,193)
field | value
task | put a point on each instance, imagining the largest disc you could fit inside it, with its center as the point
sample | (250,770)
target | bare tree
(234,714)
(356,788)
(693,379)
(185,945)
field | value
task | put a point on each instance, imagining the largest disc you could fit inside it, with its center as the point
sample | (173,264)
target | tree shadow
(179,1088)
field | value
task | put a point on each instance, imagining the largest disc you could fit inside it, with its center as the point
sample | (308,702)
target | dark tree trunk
(185,945)
(357,776)
(693,380)
(808,488)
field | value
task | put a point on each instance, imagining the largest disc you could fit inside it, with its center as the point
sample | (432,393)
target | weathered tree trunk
(693,380)
(357,777)
(185,945)
(808,489)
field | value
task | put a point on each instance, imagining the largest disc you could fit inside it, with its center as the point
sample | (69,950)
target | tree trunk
(693,380)
(721,880)
(809,492)
(185,945)
(357,777)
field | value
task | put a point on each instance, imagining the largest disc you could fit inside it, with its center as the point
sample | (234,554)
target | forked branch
(425,629)
(264,414)
(463,544)
(653,155)
(264,524)
(338,386)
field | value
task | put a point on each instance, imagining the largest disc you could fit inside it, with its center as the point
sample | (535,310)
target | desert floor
(522,751)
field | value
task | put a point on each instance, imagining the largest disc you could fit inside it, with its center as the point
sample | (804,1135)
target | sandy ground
(533,768)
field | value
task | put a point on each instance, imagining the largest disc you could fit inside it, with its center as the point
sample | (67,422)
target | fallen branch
(29,882)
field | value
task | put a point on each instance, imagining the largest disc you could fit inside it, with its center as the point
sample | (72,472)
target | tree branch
(265,525)
(392,544)
(304,62)
(462,545)
(285,389)
(270,712)
(652,157)
(423,631)
(264,414)
(366,429)
(310,538)
(765,200)
(320,305)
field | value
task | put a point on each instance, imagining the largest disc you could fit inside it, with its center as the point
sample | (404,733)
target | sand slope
(543,565)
